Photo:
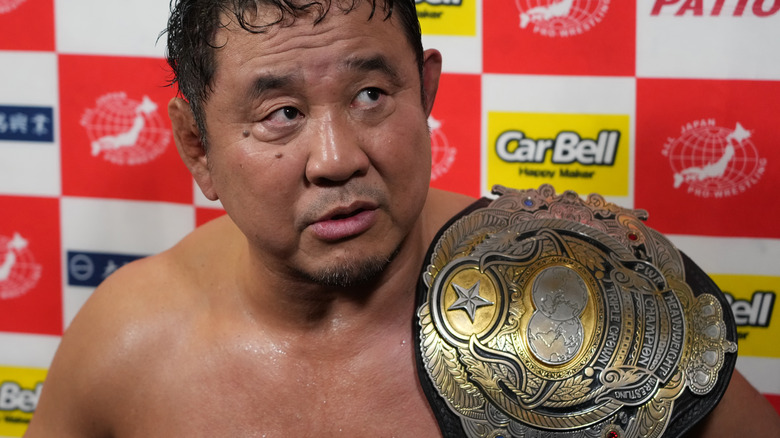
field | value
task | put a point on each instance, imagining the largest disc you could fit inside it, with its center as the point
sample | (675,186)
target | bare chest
(238,393)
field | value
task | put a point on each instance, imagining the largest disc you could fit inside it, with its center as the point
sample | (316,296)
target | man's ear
(191,149)
(430,78)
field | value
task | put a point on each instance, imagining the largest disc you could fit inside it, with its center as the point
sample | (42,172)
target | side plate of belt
(545,315)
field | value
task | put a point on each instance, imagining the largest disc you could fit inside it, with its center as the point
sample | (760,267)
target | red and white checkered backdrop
(665,105)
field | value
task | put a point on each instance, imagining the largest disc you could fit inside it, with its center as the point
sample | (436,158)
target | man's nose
(336,153)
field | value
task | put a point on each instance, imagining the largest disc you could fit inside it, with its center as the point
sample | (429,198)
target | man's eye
(369,96)
(288,113)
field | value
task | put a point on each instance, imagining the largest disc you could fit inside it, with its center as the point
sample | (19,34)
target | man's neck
(291,305)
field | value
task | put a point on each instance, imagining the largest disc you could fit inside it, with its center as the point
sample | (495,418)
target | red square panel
(30,277)
(204,215)
(116,136)
(27,25)
(707,156)
(560,37)
(455,132)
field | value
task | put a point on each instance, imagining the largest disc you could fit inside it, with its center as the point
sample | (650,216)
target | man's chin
(349,274)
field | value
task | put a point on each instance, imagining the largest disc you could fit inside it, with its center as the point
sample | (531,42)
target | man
(292,315)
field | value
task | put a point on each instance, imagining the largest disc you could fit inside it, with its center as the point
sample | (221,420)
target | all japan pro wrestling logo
(125,131)
(442,154)
(561,18)
(9,5)
(18,270)
(713,161)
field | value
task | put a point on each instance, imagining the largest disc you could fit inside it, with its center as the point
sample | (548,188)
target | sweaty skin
(320,153)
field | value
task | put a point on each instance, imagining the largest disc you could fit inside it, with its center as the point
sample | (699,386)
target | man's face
(318,142)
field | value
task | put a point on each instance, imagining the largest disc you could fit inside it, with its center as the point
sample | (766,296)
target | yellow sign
(588,153)
(753,301)
(447,17)
(20,389)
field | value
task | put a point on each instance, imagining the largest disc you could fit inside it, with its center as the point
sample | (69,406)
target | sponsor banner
(30,279)
(582,152)
(706,156)
(111,27)
(448,17)
(27,123)
(563,37)
(115,130)
(26,25)
(454,125)
(754,300)
(89,269)
(20,389)
(719,39)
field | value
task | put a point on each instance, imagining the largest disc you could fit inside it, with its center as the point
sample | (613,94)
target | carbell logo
(421,13)
(125,131)
(442,154)
(716,8)
(754,313)
(18,270)
(447,17)
(9,5)
(711,161)
(567,147)
(561,18)
(583,152)
(13,397)
(26,123)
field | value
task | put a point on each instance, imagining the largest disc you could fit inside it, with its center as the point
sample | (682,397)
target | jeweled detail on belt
(550,315)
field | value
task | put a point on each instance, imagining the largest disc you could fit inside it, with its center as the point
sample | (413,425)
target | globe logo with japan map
(442,154)
(18,270)
(709,160)
(561,18)
(9,5)
(125,131)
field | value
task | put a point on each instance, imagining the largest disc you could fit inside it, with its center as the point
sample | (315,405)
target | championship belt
(544,315)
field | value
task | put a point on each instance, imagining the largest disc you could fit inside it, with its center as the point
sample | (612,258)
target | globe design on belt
(548,315)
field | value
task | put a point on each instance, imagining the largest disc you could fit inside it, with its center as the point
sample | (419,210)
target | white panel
(459,54)
(761,372)
(32,82)
(559,94)
(127,227)
(717,47)
(27,351)
(731,255)
(112,27)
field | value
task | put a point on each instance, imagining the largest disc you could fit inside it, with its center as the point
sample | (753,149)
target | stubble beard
(351,273)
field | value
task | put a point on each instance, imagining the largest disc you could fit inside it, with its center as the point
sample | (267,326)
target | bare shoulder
(134,318)
(440,207)
(743,411)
